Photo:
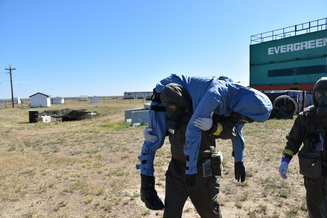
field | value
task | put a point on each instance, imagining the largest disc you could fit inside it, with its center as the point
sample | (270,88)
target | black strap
(157,108)
(155,96)
(323,129)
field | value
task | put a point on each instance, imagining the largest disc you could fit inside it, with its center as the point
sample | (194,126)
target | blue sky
(106,47)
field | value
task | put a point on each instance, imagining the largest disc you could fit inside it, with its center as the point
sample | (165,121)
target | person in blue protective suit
(310,129)
(181,108)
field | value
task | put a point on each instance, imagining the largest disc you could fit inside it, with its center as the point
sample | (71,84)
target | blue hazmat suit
(208,94)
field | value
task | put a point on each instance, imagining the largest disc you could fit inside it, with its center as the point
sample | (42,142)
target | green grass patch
(121,125)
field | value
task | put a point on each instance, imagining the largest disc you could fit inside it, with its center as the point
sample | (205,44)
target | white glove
(147,133)
(203,123)
(283,169)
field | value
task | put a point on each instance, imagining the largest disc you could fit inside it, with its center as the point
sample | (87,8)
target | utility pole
(12,89)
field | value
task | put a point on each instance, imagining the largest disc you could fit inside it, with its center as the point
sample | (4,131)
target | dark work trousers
(316,196)
(203,195)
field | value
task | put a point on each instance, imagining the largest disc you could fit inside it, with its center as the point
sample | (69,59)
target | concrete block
(46,119)
(128,114)
(140,117)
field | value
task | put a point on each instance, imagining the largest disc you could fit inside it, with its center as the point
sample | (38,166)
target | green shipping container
(289,58)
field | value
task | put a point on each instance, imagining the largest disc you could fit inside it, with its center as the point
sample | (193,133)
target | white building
(40,100)
(95,100)
(17,100)
(138,95)
(57,100)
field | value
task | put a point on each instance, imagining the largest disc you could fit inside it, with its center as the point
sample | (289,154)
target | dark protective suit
(306,129)
(310,128)
(205,192)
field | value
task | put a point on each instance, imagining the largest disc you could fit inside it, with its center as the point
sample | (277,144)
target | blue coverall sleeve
(238,144)
(193,134)
(157,122)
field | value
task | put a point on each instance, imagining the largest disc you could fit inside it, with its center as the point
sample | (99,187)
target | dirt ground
(87,168)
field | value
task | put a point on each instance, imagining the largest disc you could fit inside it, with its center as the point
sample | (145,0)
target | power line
(12,89)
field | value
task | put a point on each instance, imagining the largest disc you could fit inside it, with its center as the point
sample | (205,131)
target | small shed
(40,100)
(57,100)
(17,100)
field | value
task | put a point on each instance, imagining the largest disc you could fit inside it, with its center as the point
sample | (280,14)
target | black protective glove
(190,180)
(149,195)
(239,171)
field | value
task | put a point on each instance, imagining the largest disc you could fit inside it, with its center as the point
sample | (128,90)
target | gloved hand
(203,123)
(190,180)
(239,171)
(147,133)
(149,195)
(283,169)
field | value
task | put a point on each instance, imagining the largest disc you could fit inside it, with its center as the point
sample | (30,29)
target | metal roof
(39,93)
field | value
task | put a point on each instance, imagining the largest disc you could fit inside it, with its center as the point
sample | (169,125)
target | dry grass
(87,168)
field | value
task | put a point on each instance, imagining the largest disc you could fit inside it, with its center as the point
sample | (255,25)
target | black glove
(190,180)
(149,195)
(239,171)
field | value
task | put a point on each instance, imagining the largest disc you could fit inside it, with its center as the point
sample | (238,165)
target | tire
(284,107)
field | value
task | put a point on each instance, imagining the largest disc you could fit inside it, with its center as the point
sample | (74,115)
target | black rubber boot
(149,195)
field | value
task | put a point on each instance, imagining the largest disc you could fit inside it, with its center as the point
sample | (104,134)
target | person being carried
(181,108)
